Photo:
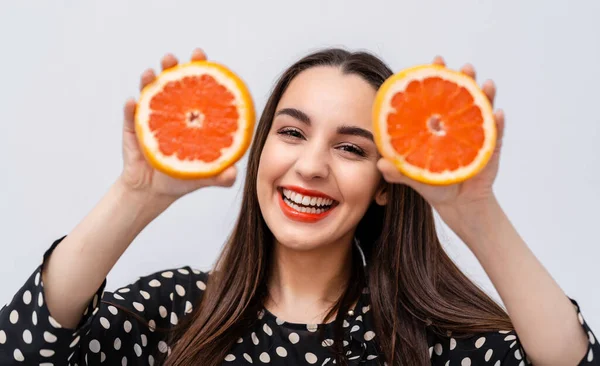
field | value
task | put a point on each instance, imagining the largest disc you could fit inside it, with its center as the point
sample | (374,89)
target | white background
(68,67)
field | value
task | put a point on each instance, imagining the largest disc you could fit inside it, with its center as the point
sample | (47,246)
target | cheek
(272,165)
(358,183)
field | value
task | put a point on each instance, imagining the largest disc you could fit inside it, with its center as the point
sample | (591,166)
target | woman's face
(317,173)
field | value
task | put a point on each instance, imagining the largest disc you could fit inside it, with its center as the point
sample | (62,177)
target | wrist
(142,204)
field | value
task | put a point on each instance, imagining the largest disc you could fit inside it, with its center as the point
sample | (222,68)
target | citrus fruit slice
(194,120)
(435,124)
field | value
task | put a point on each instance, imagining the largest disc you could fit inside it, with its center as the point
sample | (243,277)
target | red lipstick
(295,215)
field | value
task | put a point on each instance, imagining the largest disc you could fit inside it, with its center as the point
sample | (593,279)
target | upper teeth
(306,200)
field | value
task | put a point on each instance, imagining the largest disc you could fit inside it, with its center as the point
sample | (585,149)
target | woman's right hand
(138,175)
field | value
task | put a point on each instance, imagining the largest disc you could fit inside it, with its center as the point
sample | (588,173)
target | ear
(381,195)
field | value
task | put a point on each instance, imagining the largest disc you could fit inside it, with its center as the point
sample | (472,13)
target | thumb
(129,115)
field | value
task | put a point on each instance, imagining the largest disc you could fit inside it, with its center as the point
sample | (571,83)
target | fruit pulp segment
(457,136)
(194,118)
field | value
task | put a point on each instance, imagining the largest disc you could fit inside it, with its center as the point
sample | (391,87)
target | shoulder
(494,347)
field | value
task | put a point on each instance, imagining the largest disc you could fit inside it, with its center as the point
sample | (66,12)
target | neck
(304,284)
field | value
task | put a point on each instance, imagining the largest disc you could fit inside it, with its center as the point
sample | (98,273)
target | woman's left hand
(473,191)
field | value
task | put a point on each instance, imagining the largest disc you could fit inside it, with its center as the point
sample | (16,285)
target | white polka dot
(497,363)
(152,325)
(345,323)
(488,354)
(369,335)
(580,317)
(591,337)
(162,347)
(311,358)
(46,352)
(171,296)
(240,340)
(14,316)
(327,343)
(201,285)
(27,337)
(167,274)
(480,342)
(452,343)
(154,283)
(174,319)
(145,295)
(267,330)
(144,340)
(124,361)
(137,349)
(188,307)
(49,337)
(18,355)
(196,271)
(354,328)
(465,362)
(590,356)
(27,297)
(438,349)
(75,341)
(264,357)
(504,331)
(279,321)
(510,337)
(150,360)
(312,327)
(2,337)
(113,310)
(180,290)
(346,343)
(359,318)
(105,323)
(102,357)
(37,279)
(40,300)
(518,354)
(127,326)
(123,290)
(294,338)
(183,271)
(138,306)
(118,297)
(281,352)
(117,344)
(430,351)
(230,357)
(162,311)
(247,357)
(366,308)
(513,344)
(254,338)
(34,318)
(94,346)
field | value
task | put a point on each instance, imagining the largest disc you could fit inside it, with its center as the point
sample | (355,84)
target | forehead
(327,95)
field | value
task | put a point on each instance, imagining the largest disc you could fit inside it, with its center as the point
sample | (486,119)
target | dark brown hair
(414,286)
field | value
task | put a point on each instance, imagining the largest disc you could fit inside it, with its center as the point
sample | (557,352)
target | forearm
(79,264)
(543,316)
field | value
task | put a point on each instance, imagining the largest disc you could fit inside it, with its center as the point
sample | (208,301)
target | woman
(369,283)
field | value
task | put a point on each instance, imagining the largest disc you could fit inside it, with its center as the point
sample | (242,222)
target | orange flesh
(194,118)
(436,105)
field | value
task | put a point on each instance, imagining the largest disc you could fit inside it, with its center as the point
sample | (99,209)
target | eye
(291,133)
(353,149)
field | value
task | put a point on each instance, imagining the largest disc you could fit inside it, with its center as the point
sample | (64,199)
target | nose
(312,163)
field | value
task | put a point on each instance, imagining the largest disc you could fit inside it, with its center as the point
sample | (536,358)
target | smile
(306,206)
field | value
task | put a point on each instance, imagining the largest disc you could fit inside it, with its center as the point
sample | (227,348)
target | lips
(303,205)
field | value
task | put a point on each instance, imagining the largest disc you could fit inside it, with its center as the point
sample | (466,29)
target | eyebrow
(341,130)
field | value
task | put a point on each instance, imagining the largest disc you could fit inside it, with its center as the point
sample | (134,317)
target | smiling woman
(334,258)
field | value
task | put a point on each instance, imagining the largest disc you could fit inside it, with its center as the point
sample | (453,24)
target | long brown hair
(414,286)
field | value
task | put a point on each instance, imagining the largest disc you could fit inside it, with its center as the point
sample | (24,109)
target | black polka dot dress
(107,335)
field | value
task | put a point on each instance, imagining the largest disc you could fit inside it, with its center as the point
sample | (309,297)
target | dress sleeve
(128,326)
(498,348)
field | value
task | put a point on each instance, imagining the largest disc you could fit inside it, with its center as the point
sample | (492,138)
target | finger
(198,55)
(148,76)
(129,115)
(489,89)
(227,177)
(500,124)
(439,60)
(168,61)
(469,70)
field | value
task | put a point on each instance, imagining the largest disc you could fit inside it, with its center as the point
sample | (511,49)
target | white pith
(172,160)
